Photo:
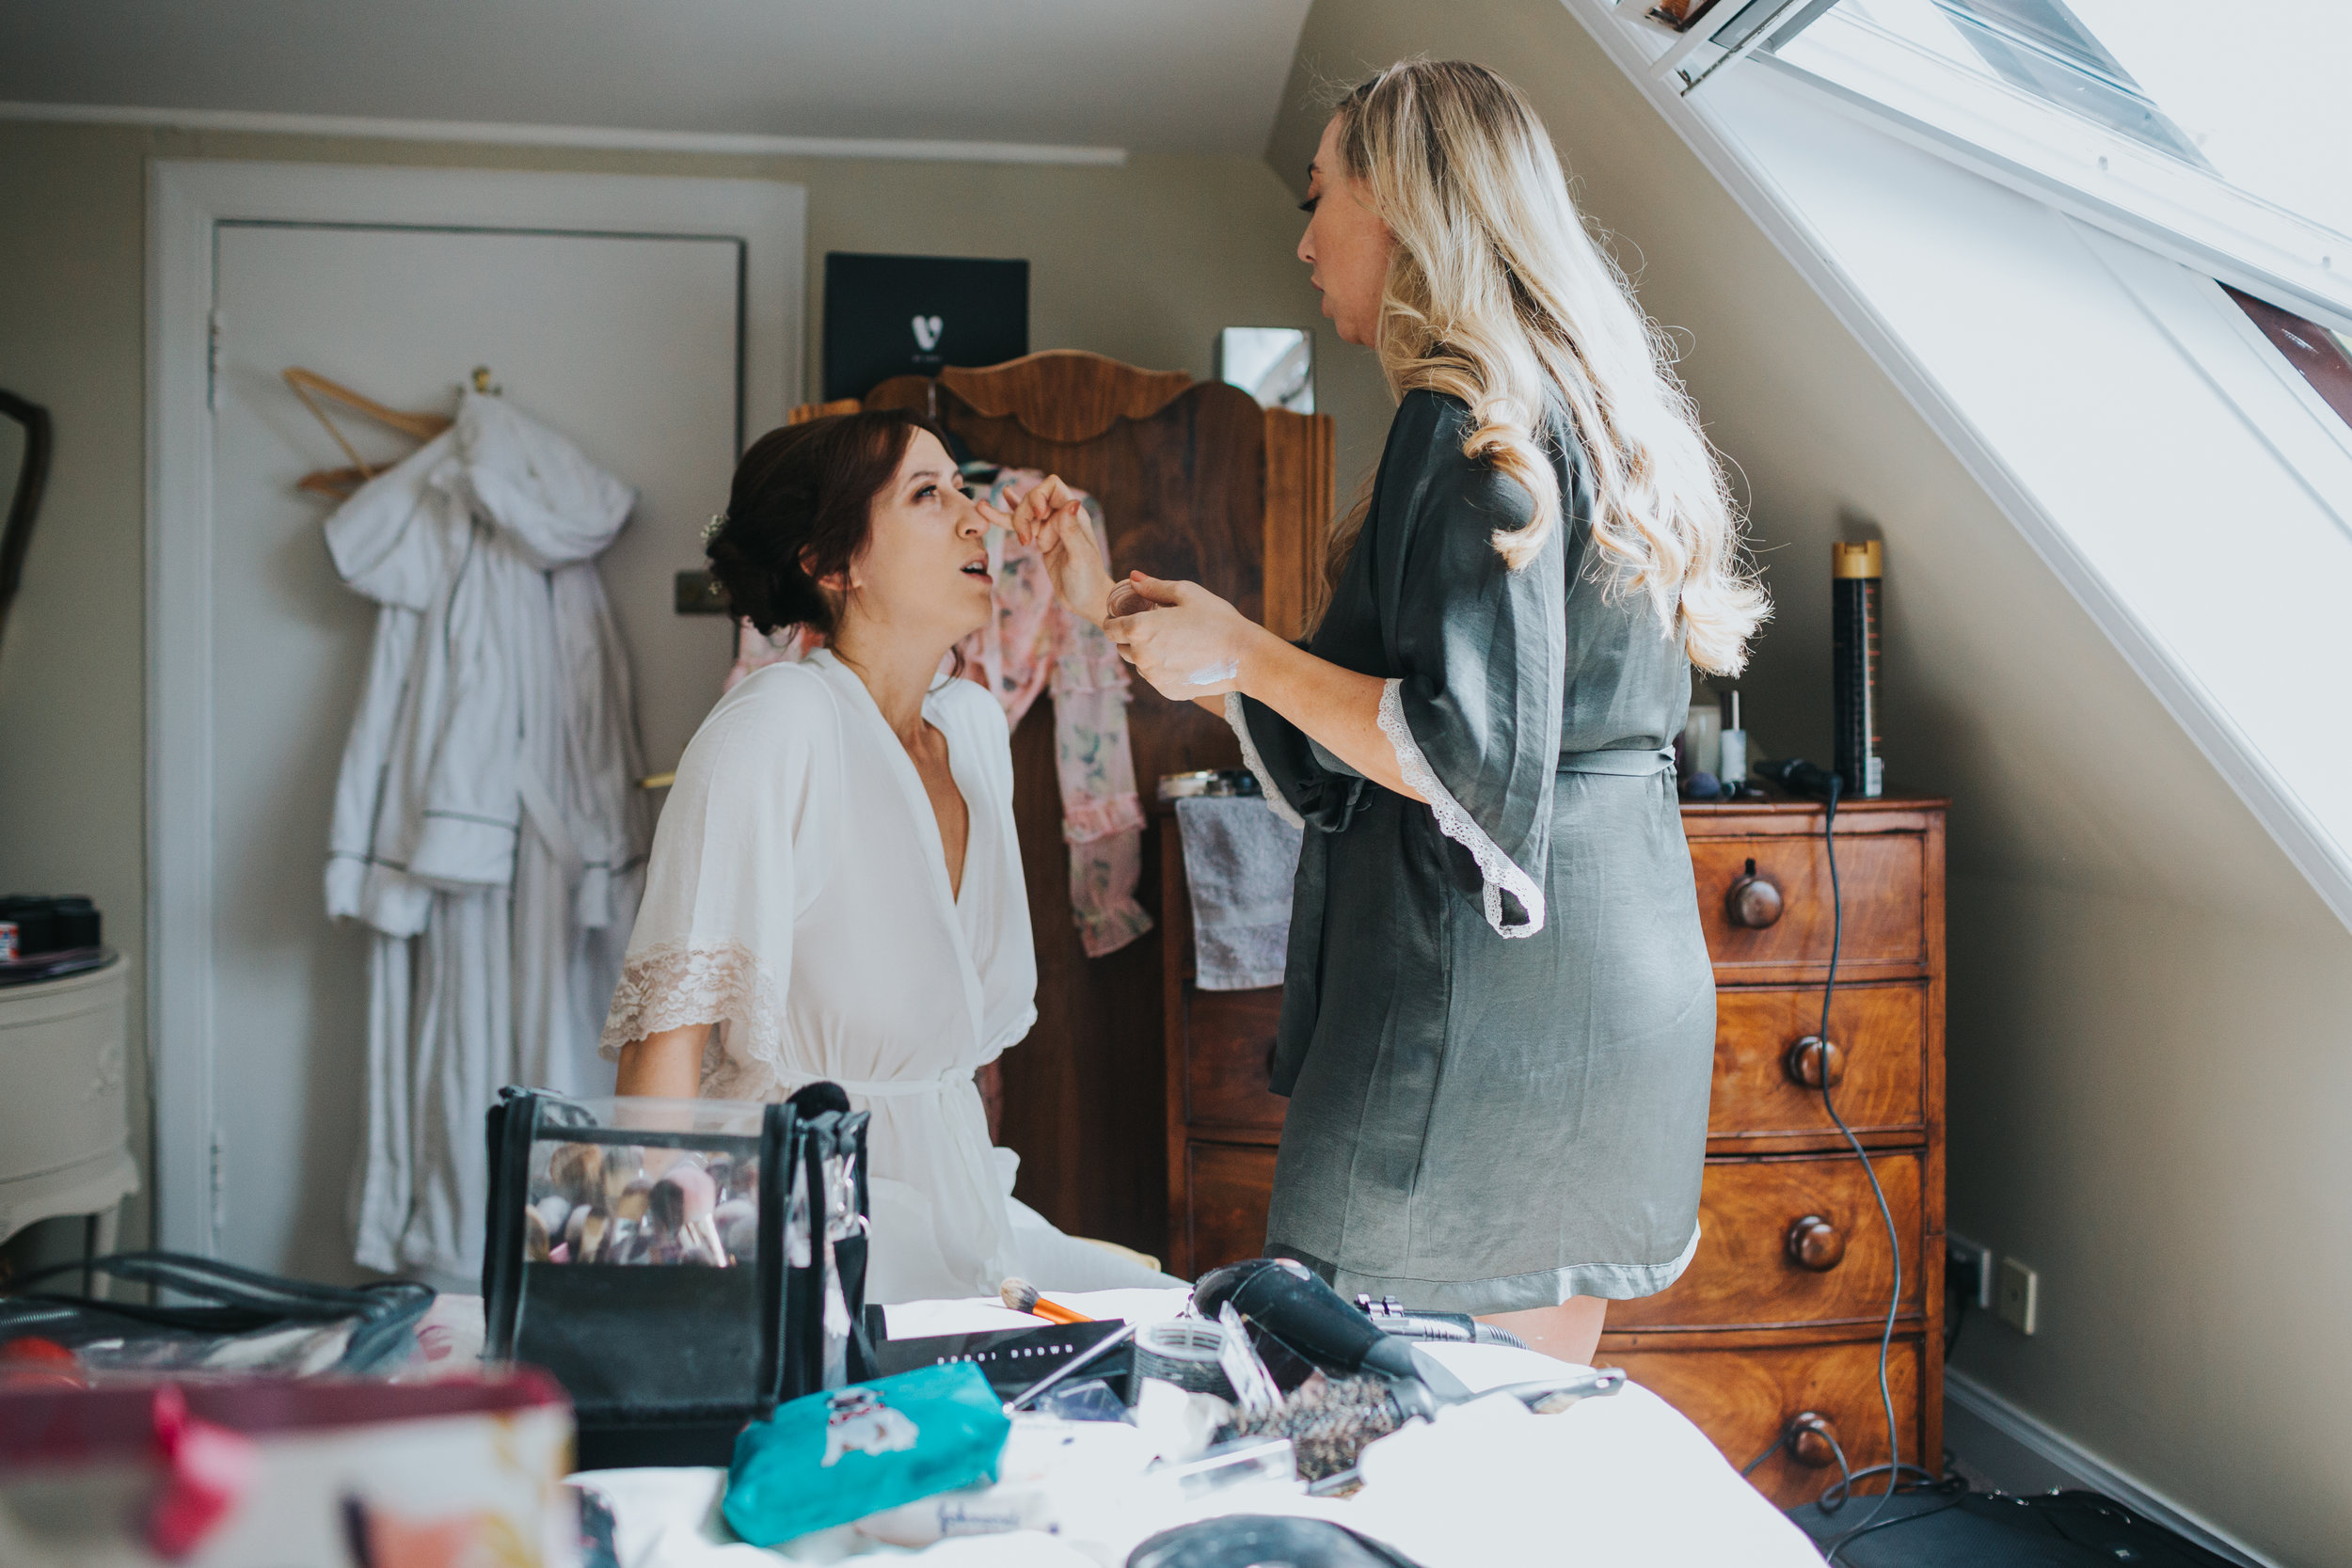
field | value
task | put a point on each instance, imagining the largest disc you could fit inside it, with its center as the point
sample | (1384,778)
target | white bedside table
(65,1129)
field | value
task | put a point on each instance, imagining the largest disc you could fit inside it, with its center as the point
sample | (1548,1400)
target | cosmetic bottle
(1855,568)
(1732,746)
(1701,737)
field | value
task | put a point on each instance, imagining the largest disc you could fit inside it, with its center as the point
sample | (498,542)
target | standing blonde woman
(1499,1016)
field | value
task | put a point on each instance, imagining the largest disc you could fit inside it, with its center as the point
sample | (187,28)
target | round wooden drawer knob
(1813,1061)
(1817,1244)
(1812,1439)
(1754,900)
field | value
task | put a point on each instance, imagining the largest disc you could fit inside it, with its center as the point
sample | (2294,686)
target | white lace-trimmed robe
(486,826)
(797,897)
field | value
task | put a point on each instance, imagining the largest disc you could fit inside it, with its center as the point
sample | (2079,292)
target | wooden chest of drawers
(1778,1318)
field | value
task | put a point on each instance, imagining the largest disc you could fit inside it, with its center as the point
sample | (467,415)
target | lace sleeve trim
(1495,868)
(676,984)
(1275,801)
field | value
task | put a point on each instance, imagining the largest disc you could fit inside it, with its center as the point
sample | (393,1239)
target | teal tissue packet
(831,1457)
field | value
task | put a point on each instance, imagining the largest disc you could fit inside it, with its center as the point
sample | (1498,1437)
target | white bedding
(1622,1481)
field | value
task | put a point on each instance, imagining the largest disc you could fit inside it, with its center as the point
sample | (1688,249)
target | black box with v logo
(915,315)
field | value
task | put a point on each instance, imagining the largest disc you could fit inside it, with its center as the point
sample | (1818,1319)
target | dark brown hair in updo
(801,509)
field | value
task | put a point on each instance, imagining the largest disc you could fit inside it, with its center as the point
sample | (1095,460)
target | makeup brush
(680,1204)
(592,1233)
(737,1219)
(1021,1296)
(577,1171)
(623,1163)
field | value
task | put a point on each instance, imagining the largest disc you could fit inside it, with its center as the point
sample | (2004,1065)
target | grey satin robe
(1498,1014)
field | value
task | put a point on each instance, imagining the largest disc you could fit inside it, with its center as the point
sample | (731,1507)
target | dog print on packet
(857,1421)
(927,331)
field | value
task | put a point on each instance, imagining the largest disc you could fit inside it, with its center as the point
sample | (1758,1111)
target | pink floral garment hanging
(1034,646)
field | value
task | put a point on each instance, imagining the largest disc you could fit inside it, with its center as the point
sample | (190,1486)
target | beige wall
(1143,263)
(2149,1060)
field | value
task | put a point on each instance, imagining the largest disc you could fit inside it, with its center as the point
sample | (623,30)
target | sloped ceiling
(1203,77)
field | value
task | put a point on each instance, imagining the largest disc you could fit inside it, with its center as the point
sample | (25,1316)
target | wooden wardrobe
(1195,482)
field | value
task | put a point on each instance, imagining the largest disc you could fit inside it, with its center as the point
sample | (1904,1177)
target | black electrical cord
(1894,1237)
(1841,1490)
(1954,1488)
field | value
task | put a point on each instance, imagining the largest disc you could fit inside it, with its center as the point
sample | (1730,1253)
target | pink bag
(236,1473)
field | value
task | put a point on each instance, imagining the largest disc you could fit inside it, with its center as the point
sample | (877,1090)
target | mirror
(1274,364)
(23,462)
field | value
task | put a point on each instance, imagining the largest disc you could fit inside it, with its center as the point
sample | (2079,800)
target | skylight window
(2219,136)
(2041,46)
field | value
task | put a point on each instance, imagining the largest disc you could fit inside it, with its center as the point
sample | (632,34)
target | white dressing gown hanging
(797,897)
(486,823)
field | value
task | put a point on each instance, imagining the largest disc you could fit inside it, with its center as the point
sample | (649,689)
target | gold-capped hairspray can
(1855,568)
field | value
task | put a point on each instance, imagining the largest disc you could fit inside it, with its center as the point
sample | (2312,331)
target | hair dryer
(1283,1300)
(1801,777)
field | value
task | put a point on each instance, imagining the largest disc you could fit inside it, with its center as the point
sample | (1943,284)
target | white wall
(2148,1062)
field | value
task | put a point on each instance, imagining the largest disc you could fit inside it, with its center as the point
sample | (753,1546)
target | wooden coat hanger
(340,483)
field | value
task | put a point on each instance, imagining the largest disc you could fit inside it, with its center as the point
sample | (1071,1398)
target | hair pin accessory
(710,529)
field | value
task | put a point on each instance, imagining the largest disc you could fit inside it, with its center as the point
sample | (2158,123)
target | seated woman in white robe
(835,887)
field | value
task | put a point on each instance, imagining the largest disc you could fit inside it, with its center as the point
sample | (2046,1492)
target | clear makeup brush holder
(678,1265)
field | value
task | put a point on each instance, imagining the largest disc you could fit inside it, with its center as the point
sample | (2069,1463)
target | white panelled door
(630,344)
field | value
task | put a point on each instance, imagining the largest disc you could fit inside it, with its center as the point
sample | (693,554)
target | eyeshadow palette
(1012,1359)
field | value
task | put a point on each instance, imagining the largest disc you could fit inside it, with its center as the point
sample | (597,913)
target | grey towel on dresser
(1241,860)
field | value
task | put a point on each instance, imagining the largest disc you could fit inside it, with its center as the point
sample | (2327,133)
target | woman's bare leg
(1570,1330)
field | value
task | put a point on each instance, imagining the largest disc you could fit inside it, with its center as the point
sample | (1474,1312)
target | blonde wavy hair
(1497,296)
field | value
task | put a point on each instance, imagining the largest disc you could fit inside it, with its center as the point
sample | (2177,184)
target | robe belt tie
(881,1089)
(1627,763)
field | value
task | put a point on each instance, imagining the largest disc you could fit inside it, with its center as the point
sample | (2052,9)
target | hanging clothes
(485,827)
(1035,645)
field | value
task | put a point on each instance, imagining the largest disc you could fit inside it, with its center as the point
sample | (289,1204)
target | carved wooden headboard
(1195,482)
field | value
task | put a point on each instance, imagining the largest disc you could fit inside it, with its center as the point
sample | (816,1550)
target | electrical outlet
(2020,1295)
(1965,1260)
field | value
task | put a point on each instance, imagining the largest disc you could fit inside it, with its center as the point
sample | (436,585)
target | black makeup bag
(679,1266)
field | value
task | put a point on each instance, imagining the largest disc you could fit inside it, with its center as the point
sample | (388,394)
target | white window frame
(2021,141)
(2189,312)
